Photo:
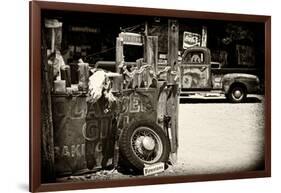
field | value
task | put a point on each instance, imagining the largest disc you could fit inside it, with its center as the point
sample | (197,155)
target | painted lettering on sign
(74,108)
(136,103)
(96,153)
(77,150)
(131,38)
(94,148)
(84,29)
(78,110)
(97,129)
(153,169)
(191,39)
(98,135)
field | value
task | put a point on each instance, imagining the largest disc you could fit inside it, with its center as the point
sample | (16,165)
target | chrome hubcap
(146,145)
(237,94)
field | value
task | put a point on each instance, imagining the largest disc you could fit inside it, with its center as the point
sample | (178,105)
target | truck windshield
(194,58)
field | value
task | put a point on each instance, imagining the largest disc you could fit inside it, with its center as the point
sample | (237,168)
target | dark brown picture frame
(36,7)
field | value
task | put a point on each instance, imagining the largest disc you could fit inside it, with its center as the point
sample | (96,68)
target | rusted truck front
(201,76)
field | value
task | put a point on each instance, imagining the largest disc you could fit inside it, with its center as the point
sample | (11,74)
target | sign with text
(99,135)
(85,29)
(69,115)
(131,38)
(138,105)
(191,39)
(153,169)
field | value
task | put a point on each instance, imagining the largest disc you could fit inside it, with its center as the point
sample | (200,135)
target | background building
(238,46)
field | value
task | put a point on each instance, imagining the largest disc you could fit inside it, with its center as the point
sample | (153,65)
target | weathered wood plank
(138,77)
(172,111)
(204,37)
(162,103)
(173,43)
(47,135)
(152,52)
(173,47)
(172,98)
(119,53)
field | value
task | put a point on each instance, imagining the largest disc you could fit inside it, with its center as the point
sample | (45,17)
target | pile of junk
(123,118)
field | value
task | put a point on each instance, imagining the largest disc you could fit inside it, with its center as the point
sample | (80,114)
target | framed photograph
(126,96)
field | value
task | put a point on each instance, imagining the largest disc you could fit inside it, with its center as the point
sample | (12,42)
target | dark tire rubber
(231,94)
(127,151)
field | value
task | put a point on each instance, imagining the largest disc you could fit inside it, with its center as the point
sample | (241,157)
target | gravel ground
(214,137)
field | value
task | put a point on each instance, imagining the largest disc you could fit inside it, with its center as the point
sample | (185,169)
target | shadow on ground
(218,100)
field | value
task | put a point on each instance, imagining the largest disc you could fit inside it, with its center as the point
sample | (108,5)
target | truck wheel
(144,142)
(237,94)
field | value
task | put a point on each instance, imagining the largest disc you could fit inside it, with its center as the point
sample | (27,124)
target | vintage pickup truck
(201,76)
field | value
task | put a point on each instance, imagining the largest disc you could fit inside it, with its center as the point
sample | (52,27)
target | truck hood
(240,75)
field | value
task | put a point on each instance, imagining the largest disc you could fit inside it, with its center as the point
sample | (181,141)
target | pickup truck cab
(200,75)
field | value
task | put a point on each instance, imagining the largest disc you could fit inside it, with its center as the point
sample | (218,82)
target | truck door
(195,69)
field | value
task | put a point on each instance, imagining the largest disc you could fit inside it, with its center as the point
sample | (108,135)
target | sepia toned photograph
(127,97)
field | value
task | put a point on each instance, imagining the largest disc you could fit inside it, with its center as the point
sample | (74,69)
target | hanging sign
(85,29)
(131,38)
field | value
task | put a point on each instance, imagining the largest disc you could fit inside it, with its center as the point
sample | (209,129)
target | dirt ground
(219,137)
(214,137)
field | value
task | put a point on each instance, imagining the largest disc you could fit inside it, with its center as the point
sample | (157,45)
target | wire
(97,53)
(129,29)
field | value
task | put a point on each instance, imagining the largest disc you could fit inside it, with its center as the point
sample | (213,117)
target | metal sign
(131,39)
(153,169)
(69,115)
(139,105)
(191,39)
(99,135)
(85,29)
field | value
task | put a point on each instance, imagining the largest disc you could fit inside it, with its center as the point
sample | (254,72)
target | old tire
(237,94)
(144,142)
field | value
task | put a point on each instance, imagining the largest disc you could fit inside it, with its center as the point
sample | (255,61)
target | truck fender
(229,80)
(226,83)
(248,81)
